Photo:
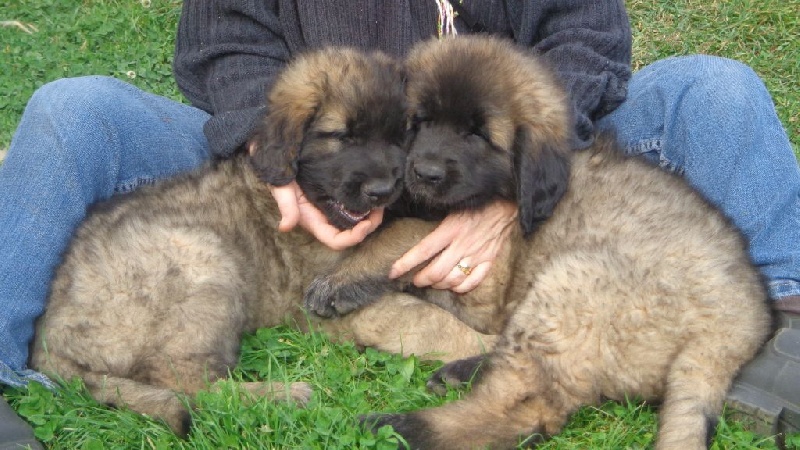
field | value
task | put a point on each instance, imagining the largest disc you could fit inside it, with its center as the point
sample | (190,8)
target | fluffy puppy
(634,286)
(157,286)
(458,109)
(353,107)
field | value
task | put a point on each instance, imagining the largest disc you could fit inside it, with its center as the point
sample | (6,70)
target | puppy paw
(319,299)
(410,426)
(325,297)
(456,374)
(301,393)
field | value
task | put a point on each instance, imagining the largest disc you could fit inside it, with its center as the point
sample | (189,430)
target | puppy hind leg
(506,406)
(155,401)
(403,324)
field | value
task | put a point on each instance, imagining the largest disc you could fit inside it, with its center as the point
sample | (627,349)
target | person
(85,139)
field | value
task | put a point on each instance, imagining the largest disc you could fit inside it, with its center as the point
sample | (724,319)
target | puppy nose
(429,172)
(379,189)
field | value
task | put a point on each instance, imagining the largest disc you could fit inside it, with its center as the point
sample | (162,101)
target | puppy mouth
(349,215)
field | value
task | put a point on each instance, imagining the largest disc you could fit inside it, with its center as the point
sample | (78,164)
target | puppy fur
(634,286)
(460,107)
(157,286)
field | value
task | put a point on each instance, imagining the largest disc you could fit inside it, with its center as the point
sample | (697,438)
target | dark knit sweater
(228,52)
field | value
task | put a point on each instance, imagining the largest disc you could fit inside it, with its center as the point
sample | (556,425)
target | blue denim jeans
(84,139)
(80,140)
(712,121)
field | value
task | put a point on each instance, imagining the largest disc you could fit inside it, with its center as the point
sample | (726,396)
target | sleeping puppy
(460,108)
(629,284)
(353,154)
(157,286)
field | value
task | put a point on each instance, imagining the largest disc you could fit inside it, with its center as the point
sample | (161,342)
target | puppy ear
(275,144)
(541,169)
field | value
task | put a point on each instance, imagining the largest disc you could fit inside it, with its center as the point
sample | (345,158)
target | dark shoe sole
(764,414)
(15,433)
(766,393)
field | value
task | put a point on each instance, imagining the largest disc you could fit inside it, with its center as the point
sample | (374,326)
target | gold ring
(465,269)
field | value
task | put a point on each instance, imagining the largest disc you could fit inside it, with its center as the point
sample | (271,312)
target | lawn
(133,40)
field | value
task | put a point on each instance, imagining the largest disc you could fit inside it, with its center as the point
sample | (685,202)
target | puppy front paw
(319,299)
(327,297)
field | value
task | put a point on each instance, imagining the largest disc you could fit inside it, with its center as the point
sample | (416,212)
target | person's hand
(466,243)
(297,210)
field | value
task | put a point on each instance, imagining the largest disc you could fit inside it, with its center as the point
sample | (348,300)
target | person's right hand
(297,210)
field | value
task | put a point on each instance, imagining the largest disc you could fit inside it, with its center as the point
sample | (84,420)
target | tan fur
(636,286)
(518,91)
(157,286)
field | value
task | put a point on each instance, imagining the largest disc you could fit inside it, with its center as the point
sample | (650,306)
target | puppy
(457,113)
(630,283)
(157,286)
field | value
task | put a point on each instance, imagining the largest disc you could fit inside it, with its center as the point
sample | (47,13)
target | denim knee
(68,125)
(713,82)
(111,132)
(677,103)
(76,95)
(69,105)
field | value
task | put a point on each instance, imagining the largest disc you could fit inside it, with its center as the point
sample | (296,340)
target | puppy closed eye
(478,132)
(333,134)
(475,126)
(419,119)
(340,135)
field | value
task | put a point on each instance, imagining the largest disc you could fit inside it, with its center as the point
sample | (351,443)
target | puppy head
(337,125)
(490,122)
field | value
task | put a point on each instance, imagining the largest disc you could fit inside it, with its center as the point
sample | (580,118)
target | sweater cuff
(228,131)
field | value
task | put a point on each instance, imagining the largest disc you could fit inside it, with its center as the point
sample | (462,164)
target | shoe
(787,320)
(767,391)
(15,433)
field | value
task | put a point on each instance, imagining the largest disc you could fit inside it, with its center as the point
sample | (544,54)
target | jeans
(80,140)
(84,139)
(712,121)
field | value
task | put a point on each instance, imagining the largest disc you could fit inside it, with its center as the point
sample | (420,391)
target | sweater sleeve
(588,43)
(227,55)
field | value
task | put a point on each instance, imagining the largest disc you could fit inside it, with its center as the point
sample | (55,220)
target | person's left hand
(467,244)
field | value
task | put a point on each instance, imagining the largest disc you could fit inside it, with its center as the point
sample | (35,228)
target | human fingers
(460,271)
(347,238)
(427,248)
(372,221)
(475,277)
(287,199)
(442,270)
(315,222)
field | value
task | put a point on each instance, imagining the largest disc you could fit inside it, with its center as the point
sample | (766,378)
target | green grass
(346,383)
(133,40)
